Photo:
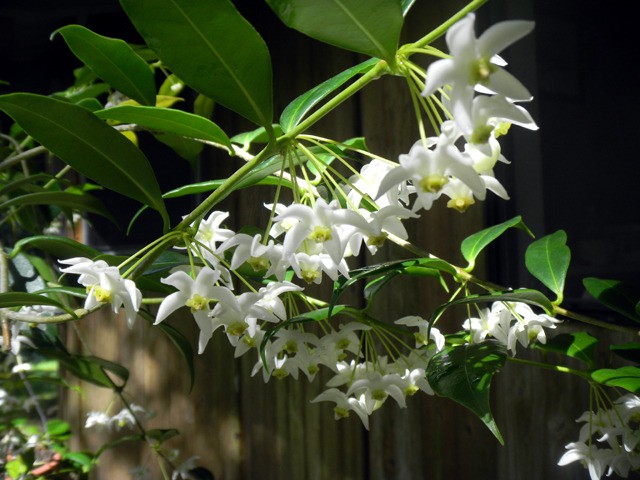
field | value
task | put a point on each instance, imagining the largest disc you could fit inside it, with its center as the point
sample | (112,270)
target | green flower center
(236,328)
(320,234)
(309,275)
(481,134)
(378,240)
(481,70)
(197,302)
(259,263)
(340,412)
(433,183)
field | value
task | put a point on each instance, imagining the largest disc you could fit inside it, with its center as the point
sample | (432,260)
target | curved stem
(11,161)
(442,29)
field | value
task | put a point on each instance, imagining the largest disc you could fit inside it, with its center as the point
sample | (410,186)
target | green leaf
(59,247)
(22,299)
(212,48)
(185,147)
(624,377)
(618,296)
(297,109)
(406,5)
(463,373)
(547,259)
(80,202)
(114,61)
(372,27)
(578,345)
(28,184)
(628,351)
(387,269)
(474,244)
(258,135)
(210,185)
(87,144)
(167,120)
(58,429)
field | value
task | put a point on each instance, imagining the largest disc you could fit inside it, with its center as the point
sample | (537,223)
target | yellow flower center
(309,275)
(101,294)
(481,134)
(340,412)
(460,204)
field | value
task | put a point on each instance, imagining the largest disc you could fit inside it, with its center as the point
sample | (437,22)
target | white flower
(475,62)
(423,335)
(344,405)
(98,419)
(105,284)
(193,293)
(431,169)
(182,470)
(316,226)
(209,231)
(592,457)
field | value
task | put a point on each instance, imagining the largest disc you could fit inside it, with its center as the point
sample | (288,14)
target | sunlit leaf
(114,61)
(59,247)
(578,345)
(474,244)
(87,144)
(23,299)
(212,48)
(372,27)
(463,373)
(168,120)
(624,377)
(298,108)
(547,259)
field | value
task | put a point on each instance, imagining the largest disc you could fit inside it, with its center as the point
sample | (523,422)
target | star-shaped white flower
(475,62)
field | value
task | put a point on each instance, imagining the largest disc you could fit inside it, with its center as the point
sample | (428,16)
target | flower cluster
(510,323)
(105,284)
(124,419)
(609,441)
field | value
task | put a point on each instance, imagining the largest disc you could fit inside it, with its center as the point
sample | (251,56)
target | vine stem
(442,29)
(10,161)
(555,368)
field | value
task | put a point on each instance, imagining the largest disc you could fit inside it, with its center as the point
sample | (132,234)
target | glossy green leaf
(185,147)
(114,61)
(22,299)
(298,108)
(211,185)
(463,373)
(619,296)
(258,135)
(474,244)
(212,48)
(82,203)
(168,120)
(547,259)
(628,351)
(578,345)
(59,247)
(624,377)
(387,269)
(372,27)
(87,144)
(28,184)
(406,6)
